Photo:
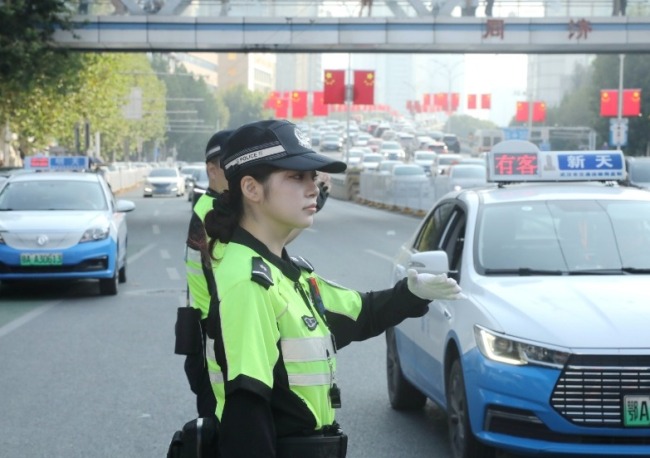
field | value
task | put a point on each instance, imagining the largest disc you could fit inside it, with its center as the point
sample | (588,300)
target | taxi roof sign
(57,163)
(521,161)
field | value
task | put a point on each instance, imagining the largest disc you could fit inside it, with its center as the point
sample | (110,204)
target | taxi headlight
(510,351)
(94,234)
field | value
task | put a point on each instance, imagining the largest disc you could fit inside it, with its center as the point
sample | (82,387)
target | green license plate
(636,411)
(41,259)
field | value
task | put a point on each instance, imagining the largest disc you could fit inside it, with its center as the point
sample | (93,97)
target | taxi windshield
(39,195)
(564,237)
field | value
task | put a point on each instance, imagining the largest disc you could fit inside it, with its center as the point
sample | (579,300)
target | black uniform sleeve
(379,311)
(246,429)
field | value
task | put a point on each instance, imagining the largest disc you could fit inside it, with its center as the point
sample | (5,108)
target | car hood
(48,230)
(578,312)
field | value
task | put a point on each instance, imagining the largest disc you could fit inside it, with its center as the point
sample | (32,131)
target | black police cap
(216,144)
(278,143)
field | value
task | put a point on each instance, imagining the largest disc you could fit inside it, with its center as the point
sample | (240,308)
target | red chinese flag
(334,87)
(609,102)
(364,87)
(281,108)
(298,104)
(455,101)
(270,101)
(539,112)
(522,112)
(426,100)
(441,100)
(631,102)
(486,101)
(471,101)
(319,108)
(417,107)
(409,105)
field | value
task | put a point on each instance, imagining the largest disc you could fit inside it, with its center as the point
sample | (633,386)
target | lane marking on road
(26,318)
(380,255)
(172,272)
(165,254)
(156,229)
(156,212)
(140,253)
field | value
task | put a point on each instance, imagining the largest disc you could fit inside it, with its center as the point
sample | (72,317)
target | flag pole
(619,115)
(348,103)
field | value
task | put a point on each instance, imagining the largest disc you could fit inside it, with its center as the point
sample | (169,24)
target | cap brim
(310,161)
(213,156)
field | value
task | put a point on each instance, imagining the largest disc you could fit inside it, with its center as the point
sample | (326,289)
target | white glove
(431,287)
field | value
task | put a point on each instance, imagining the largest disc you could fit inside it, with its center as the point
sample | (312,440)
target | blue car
(549,352)
(62,225)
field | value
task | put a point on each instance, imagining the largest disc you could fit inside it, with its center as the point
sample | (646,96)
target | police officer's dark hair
(228,208)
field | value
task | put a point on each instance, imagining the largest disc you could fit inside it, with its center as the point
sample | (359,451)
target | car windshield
(447,160)
(408,170)
(424,156)
(373,158)
(41,195)
(390,145)
(566,237)
(163,173)
(640,172)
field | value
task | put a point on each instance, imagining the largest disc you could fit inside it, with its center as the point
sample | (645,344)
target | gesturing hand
(432,287)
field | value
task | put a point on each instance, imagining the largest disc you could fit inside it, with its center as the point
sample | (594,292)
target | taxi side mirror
(431,262)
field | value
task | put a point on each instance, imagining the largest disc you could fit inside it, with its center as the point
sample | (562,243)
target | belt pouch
(189,337)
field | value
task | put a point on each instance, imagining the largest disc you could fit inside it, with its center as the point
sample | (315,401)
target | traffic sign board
(618,131)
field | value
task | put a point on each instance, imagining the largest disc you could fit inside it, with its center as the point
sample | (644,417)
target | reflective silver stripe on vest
(215,376)
(294,379)
(310,379)
(307,349)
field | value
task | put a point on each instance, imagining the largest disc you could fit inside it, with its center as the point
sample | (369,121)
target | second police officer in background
(274,326)
(200,281)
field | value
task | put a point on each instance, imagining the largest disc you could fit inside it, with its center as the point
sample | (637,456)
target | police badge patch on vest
(310,321)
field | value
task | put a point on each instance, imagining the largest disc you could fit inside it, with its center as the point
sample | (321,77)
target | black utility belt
(314,446)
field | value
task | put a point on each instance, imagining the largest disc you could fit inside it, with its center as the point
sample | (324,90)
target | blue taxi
(549,353)
(59,221)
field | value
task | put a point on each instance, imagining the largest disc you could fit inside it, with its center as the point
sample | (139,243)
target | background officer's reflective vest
(197,284)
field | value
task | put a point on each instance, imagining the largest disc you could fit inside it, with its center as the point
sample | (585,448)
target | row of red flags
(295,104)
(297,101)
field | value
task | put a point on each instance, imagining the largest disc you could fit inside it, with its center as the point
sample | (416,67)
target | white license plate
(636,411)
(41,259)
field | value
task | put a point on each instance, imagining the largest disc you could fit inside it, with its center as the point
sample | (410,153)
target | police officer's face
(290,198)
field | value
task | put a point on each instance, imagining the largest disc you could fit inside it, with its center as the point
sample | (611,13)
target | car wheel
(462,440)
(401,393)
(108,286)
(121,275)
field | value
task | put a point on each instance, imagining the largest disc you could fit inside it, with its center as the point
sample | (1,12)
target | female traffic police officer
(275,326)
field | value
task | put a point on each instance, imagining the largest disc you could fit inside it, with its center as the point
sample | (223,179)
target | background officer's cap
(216,145)
(274,142)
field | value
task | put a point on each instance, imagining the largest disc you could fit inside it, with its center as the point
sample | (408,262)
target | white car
(164,181)
(392,150)
(370,162)
(62,225)
(549,350)
(425,159)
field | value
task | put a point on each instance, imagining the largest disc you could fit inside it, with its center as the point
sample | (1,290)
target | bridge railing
(351,8)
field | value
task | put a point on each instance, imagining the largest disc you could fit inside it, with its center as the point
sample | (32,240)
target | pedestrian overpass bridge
(404,26)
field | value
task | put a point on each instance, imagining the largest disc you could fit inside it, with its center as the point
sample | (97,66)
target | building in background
(256,72)
(204,65)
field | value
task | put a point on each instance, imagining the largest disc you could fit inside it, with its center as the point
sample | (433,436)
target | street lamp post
(450,72)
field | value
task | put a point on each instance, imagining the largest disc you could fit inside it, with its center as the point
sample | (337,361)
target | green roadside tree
(194,112)
(244,106)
